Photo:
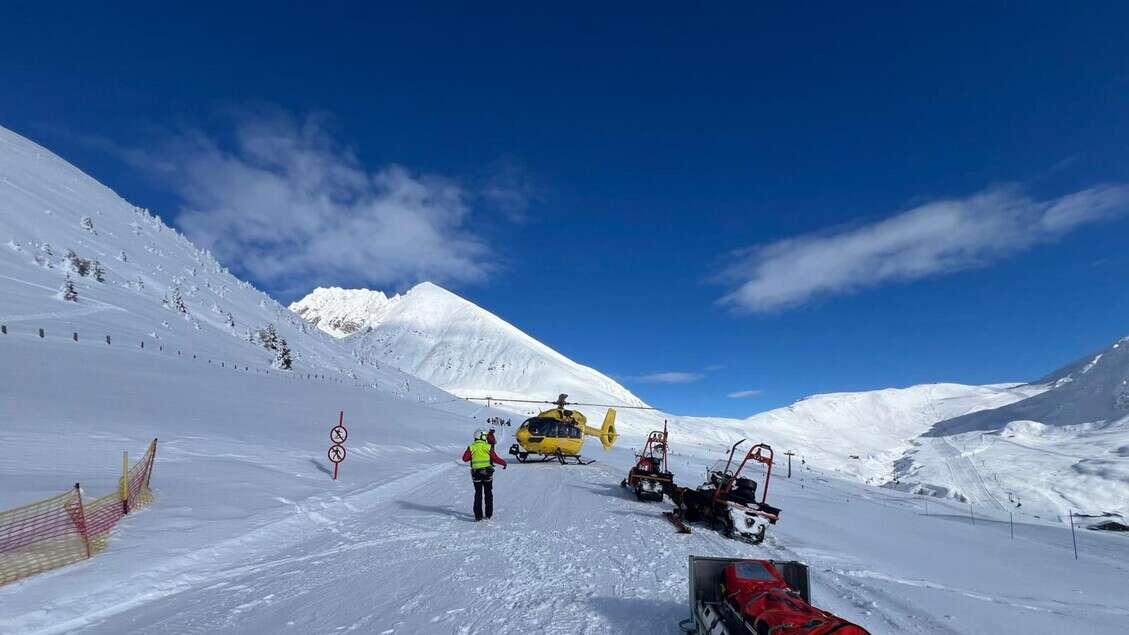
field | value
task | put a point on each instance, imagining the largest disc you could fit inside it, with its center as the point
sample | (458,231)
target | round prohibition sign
(336,453)
(338,434)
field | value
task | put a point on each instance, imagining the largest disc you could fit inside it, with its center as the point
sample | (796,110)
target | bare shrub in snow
(87,223)
(78,264)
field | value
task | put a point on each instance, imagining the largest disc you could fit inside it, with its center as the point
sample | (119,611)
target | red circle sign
(336,453)
(338,434)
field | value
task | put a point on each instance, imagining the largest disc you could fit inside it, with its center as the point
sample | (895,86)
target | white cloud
(930,239)
(741,394)
(673,377)
(289,206)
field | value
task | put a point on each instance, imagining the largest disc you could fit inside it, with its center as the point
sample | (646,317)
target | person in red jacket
(480,454)
(491,439)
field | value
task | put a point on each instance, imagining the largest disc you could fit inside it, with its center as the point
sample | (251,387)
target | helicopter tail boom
(607,433)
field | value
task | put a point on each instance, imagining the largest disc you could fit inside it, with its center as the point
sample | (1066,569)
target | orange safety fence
(63,529)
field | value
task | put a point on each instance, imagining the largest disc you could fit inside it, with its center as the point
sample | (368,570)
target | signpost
(337,436)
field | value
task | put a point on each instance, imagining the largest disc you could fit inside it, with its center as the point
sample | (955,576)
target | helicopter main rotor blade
(608,405)
(507,400)
(567,403)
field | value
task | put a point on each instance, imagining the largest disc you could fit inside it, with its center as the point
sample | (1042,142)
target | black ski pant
(483,487)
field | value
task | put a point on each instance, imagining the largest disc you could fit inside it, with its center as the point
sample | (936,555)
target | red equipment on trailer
(755,597)
(650,477)
(728,500)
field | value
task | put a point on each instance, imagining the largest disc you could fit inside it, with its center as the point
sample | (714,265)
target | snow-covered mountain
(1064,448)
(449,341)
(1094,389)
(137,280)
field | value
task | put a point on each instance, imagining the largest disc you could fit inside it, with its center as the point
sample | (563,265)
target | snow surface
(249,534)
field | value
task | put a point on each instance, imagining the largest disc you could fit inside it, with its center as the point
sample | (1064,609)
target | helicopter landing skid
(563,459)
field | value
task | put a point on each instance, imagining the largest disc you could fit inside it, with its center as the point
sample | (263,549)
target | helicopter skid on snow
(564,459)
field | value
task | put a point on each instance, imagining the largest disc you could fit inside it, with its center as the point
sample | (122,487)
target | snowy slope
(48,207)
(1062,449)
(859,434)
(438,336)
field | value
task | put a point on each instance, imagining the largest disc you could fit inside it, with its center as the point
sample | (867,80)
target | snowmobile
(728,500)
(650,477)
(753,597)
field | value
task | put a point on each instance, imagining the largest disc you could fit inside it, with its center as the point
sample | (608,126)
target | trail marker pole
(1073,538)
(82,518)
(124,487)
(1011,523)
(337,436)
(789,454)
(971,516)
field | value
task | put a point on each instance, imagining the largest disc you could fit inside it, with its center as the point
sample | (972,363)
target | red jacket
(494,458)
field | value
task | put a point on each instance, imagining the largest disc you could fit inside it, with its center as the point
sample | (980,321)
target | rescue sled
(650,477)
(731,596)
(727,501)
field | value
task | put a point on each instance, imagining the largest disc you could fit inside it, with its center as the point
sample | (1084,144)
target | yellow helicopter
(558,433)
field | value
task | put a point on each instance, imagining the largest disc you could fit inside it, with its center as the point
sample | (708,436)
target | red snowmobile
(651,477)
(756,597)
(728,500)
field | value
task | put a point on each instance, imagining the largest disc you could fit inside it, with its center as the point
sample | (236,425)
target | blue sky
(758,201)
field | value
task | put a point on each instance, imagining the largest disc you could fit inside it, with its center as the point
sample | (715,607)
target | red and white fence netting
(57,531)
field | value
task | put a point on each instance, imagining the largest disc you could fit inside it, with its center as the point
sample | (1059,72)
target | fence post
(124,493)
(107,340)
(3,329)
(142,343)
(1011,523)
(82,519)
(152,460)
(971,516)
(40,332)
(75,335)
(1072,536)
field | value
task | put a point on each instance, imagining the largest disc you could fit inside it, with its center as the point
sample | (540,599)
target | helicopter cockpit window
(545,427)
(574,432)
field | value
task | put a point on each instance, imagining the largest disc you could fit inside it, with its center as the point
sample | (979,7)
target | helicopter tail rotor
(607,433)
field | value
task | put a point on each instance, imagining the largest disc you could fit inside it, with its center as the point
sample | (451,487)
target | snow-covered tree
(175,301)
(87,223)
(98,272)
(268,337)
(122,257)
(282,360)
(68,291)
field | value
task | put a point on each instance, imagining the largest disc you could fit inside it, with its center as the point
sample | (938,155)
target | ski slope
(249,534)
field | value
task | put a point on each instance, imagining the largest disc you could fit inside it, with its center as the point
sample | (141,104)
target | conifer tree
(68,290)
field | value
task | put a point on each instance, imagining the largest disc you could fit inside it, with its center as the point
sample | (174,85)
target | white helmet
(480,434)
